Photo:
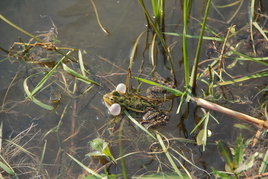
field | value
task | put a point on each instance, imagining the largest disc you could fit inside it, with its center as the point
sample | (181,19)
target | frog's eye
(115,109)
(121,88)
(111,99)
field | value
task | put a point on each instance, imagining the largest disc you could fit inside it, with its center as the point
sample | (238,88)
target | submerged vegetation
(205,96)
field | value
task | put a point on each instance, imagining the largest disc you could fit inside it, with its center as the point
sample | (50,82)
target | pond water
(80,118)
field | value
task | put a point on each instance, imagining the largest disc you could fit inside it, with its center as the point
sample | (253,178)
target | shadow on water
(80,115)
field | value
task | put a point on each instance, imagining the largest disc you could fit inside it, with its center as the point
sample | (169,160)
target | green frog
(147,107)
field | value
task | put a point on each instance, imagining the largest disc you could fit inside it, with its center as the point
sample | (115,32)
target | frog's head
(115,99)
(111,98)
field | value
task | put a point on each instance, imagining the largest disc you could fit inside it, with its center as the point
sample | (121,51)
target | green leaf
(202,137)
(32,98)
(97,144)
(160,176)
(106,151)
(242,126)
(221,175)
(46,77)
(168,155)
(239,151)
(264,164)
(195,36)
(260,30)
(102,149)
(242,79)
(78,76)
(85,167)
(30,95)
(225,153)
(247,164)
(138,124)
(95,154)
(171,90)
(81,63)
(7,169)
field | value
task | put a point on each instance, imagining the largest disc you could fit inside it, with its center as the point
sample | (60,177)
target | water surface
(107,60)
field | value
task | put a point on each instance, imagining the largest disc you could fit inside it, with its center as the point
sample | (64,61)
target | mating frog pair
(148,107)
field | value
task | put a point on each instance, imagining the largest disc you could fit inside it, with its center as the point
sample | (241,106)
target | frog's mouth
(106,101)
(114,109)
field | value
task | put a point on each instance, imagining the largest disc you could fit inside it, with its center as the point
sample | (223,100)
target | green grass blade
(217,10)
(205,133)
(152,23)
(154,6)
(225,153)
(168,156)
(196,37)
(239,151)
(237,10)
(249,58)
(98,19)
(42,158)
(229,5)
(46,77)
(171,90)
(188,161)
(32,98)
(256,25)
(242,79)
(34,37)
(81,63)
(1,136)
(183,167)
(152,52)
(10,171)
(7,168)
(133,51)
(20,29)
(184,44)
(252,12)
(138,124)
(181,103)
(77,75)
(159,35)
(85,167)
(198,50)
(122,159)
(255,59)
(21,148)
(198,124)
(264,164)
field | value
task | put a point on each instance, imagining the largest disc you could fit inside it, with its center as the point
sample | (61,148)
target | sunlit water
(107,60)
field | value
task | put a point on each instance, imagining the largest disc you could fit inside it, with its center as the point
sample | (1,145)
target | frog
(152,116)
(149,107)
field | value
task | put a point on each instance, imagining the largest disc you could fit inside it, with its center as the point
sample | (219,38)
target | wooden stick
(230,112)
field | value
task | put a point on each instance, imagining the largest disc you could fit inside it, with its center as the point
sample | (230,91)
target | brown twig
(215,107)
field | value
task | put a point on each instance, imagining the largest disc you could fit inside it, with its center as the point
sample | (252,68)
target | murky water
(107,60)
